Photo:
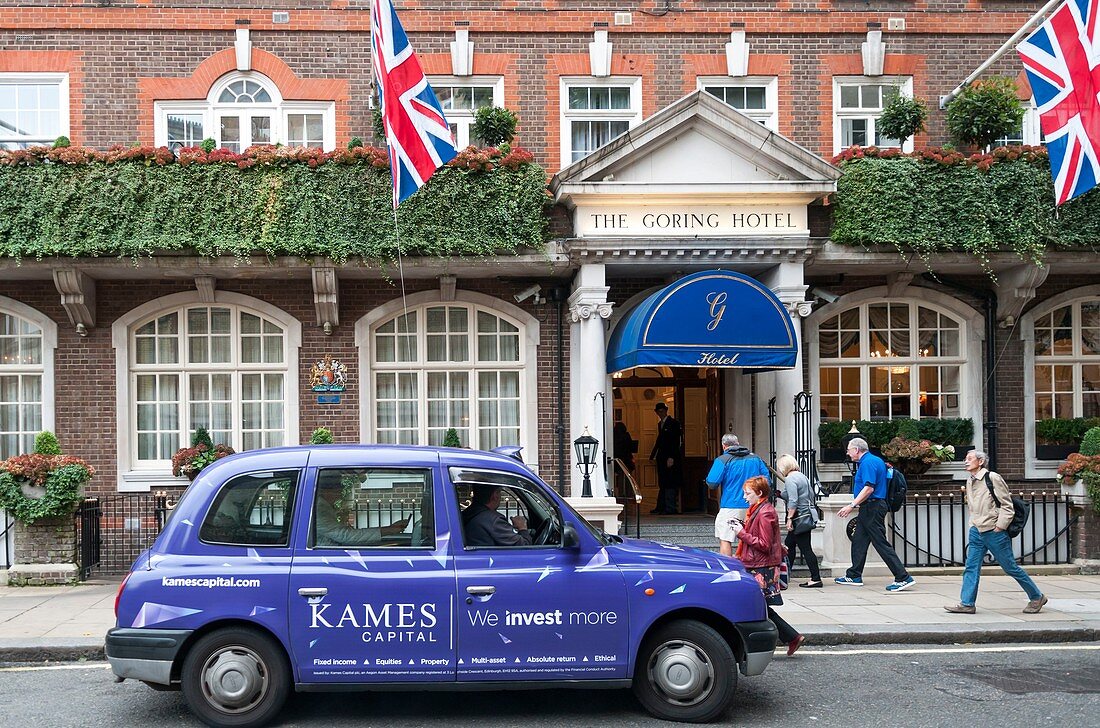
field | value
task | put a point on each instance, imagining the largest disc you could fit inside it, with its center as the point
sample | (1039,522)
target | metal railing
(932,530)
(113,530)
(7,540)
(627,498)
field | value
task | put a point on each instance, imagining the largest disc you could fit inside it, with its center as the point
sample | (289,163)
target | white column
(786,282)
(589,311)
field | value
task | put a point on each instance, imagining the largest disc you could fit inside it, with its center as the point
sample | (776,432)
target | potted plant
(902,117)
(451,439)
(321,436)
(914,457)
(985,111)
(1056,438)
(494,126)
(190,461)
(1079,475)
(42,490)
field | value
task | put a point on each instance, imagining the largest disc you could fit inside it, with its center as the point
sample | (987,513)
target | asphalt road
(1025,685)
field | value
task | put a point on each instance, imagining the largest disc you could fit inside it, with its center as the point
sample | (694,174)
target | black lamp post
(847,440)
(586,447)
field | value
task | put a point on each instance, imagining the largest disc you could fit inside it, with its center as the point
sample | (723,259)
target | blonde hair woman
(800,509)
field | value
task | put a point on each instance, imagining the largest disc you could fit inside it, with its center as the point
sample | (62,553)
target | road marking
(945,650)
(37,668)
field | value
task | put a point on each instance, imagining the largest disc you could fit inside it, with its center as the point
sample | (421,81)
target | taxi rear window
(252,510)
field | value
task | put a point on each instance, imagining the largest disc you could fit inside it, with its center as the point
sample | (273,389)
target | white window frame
(1031,132)
(45,369)
(1033,467)
(769,117)
(632,116)
(133,478)
(212,111)
(464,119)
(971,338)
(62,81)
(527,366)
(904,83)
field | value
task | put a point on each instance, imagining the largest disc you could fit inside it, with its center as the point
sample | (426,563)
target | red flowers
(36,468)
(948,157)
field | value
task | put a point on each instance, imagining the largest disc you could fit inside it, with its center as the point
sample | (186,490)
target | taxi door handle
(306,591)
(481,591)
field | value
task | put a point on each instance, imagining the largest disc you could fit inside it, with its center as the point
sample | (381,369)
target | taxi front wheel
(235,677)
(685,672)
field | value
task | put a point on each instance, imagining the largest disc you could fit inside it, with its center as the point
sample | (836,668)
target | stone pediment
(697,148)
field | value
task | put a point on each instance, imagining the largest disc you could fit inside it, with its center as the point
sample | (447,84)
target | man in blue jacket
(869,495)
(729,472)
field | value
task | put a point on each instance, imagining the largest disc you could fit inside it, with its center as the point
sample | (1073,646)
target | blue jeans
(1000,545)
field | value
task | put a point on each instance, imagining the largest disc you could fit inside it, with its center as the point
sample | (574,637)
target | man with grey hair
(869,487)
(729,472)
(990,503)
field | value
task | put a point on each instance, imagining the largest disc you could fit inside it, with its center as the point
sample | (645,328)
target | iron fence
(932,530)
(7,540)
(113,530)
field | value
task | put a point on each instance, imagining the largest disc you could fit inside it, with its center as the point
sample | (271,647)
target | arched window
(225,365)
(448,364)
(21,391)
(242,110)
(889,359)
(1067,361)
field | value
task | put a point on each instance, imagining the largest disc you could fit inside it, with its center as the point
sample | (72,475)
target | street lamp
(847,440)
(586,446)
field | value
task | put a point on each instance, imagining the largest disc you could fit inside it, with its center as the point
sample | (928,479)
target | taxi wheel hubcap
(234,679)
(681,672)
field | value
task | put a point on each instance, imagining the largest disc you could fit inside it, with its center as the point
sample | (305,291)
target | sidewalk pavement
(69,623)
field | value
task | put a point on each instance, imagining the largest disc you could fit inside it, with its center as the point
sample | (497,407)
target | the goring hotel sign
(661,221)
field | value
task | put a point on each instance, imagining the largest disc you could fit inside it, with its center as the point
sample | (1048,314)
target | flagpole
(1008,45)
(401,276)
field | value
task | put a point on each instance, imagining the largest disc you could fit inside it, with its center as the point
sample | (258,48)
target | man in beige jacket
(987,533)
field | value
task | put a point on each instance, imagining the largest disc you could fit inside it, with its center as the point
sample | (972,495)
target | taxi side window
(373,507)
(252,510)
(517,497)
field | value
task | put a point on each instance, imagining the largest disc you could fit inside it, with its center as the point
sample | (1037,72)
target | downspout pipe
(558,296)
(990,305)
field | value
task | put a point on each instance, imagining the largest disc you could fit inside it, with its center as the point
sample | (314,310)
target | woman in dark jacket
(760,549)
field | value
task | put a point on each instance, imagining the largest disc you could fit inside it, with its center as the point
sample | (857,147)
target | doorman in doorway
(668,454)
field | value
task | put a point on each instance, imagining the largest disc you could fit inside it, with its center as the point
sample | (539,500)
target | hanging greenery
(61,479)
(938,200)
(273,201)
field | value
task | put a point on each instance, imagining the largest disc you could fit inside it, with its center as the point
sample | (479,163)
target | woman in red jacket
(761,551)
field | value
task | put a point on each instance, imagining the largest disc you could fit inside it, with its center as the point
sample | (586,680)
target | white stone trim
(132,480)
(1033,467)
(49,350)
(971,333)
(531,333)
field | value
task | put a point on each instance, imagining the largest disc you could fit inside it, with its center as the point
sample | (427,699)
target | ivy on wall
(138,202)
(936,200)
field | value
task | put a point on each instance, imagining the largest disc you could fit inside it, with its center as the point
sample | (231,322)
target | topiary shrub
(355,143)
(321,436)
(61,142)
(985,111)
(208,145)
(451,438)
(1090,443)
(902,117)
(494,125)
(201,437)
(45,443)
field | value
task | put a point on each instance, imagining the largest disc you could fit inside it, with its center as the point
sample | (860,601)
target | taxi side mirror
(569,538)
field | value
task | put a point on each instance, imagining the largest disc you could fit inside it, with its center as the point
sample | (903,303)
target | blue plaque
(328,399)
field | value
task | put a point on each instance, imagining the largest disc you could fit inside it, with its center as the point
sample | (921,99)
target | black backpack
(1021,509)
(897,487)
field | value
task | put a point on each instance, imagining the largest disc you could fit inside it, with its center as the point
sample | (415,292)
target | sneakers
(849,581)
(793,645)
(1035,605)
(901,585)
(960,609)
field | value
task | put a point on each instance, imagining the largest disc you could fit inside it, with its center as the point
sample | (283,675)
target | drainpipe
(990,299)
(558,296)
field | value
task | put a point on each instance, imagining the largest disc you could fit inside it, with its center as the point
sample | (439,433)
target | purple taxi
(333,568)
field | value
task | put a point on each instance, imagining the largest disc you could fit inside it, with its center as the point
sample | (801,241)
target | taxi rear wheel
(235,677)
(685,672)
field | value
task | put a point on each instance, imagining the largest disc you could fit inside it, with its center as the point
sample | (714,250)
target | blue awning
(713,318)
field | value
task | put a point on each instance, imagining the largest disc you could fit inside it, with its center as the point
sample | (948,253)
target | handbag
(767,577)
(801,524)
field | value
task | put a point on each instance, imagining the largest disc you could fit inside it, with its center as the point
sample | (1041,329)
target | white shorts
(722,530)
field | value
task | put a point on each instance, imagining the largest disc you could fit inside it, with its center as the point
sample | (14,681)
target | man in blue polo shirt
(869,495)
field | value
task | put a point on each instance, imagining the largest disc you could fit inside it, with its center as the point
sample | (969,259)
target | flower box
(1054,452)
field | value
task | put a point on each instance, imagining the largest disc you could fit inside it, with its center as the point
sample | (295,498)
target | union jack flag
(419,139)
(1061,61)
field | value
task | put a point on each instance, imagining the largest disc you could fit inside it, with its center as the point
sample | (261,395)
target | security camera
(824,295)
(528,292)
